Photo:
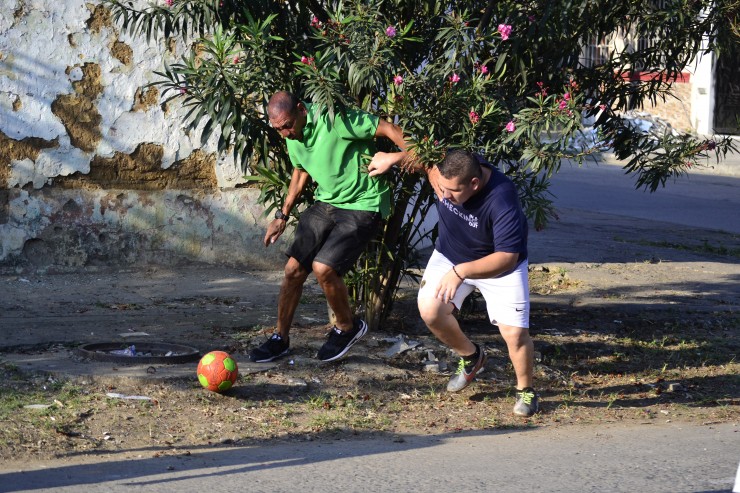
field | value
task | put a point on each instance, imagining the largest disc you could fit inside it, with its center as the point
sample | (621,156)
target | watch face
(279,214)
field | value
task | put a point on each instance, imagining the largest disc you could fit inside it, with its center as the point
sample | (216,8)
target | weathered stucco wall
(94,169)
(66,229)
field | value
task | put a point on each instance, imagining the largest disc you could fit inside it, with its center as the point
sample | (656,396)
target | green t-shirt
(336,156)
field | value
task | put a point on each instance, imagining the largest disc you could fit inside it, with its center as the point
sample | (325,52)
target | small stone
(675,387)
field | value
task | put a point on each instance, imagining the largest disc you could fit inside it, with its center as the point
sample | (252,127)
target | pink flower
(543,89)
(390,31)
(474,117)
(566,96)
(304,59)
(398,80)
(562,104)
(236,59)
(315,22)
(454,78)
(602,107)
(169,2)
(183,89)
(510,127)
(483,69)
(504,30)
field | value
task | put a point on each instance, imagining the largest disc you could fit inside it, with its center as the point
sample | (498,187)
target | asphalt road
(666,457)
(702,200)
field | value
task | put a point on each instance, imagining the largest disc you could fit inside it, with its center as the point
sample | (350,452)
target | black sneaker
(339,341)
(466,371)
(527,402)
(271,349)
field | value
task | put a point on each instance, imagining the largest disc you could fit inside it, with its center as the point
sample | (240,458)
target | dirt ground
(633,321)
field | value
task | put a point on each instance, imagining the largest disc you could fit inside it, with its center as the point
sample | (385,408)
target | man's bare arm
(384,161)
(298,181)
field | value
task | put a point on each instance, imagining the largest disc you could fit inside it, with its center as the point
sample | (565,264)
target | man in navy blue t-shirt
(482,244)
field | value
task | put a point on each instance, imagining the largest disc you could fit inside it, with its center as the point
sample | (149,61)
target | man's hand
(274,230)
(381,163)
(448,286)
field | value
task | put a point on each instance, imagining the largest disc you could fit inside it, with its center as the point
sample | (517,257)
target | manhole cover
(139,352)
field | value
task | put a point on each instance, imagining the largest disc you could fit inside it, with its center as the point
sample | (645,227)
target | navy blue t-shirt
(490,221)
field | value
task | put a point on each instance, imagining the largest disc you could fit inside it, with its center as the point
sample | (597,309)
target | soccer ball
(217,371)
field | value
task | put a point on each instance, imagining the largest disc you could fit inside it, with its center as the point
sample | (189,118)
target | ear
(475,183)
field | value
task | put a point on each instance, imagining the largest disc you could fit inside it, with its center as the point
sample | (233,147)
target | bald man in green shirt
(350,203)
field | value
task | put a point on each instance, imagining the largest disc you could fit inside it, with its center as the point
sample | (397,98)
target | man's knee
(515,336)
(294,271)
(432,310)
(324,272)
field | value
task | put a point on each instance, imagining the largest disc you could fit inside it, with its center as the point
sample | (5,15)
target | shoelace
(460,367)
(526,397)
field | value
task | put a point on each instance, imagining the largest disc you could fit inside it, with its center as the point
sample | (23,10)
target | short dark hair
(282,102)
(459,163)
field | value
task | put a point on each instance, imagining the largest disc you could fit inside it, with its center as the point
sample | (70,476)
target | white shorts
(507,297)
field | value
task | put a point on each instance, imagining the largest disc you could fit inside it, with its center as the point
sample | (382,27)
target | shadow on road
(166,467)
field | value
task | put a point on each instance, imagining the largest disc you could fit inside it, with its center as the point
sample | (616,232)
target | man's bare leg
(521,353)
(336,294)
(438,316)
(290,295)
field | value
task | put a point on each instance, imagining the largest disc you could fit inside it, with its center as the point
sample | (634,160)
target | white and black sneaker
(273,348)
(339,341)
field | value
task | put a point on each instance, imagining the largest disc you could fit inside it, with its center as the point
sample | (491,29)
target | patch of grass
(544,280)
(705,247)
(319,401)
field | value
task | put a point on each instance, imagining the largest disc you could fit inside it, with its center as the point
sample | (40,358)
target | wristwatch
(279,215)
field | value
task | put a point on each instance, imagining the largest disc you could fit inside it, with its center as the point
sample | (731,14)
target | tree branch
(486,18)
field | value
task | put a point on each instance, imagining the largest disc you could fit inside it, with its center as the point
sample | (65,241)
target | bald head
(287,115)
(282,102)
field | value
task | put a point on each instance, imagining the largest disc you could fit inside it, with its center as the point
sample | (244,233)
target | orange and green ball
(217,371)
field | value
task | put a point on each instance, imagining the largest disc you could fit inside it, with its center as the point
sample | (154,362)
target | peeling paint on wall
(89,86)
(94,169)
(122,52)
(144,100)
(18,150)
(142,170)
(100,17)
(78,112)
